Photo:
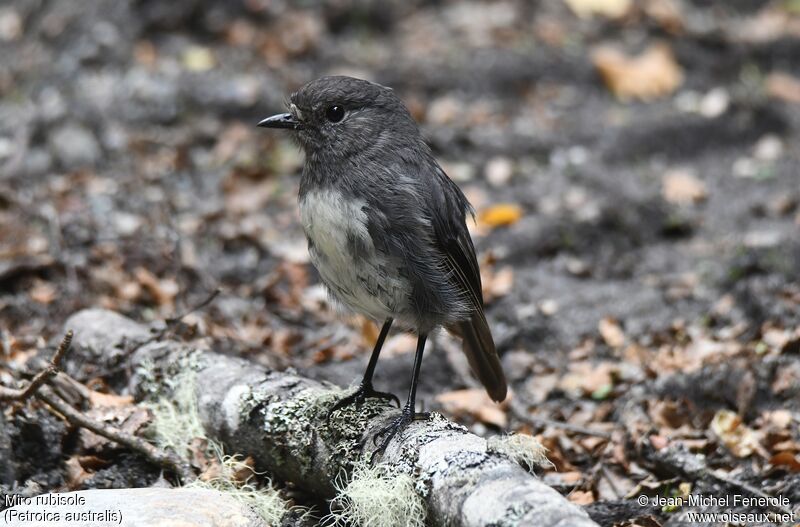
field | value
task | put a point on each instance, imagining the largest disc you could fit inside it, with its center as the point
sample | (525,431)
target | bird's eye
(334,113)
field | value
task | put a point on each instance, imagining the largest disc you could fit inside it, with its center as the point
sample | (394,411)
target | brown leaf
(496,284)
(43,292)
(581,497)
(784,87)
(474,402)
(163,292)
(109,400)
(650,75)
(585,378)
(659,442)
(789,460)
(682,187)
(738,438)
(668,414)
(75,473)
(137,420)
(93,463)
(667,13)
(245,471)
(611,332)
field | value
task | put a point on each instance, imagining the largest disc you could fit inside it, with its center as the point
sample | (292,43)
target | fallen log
(279,419)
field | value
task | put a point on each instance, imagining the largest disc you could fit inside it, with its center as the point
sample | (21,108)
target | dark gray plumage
(385,225)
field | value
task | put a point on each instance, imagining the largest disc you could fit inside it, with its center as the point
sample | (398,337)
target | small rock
(548,307)
(443,110)
(498,171)
(745,167)
(459,171)
(126,223)
(762,239)
(102,341)
(6,148)
(10,25)
(714,103)
(768,148)
(578,267)
(198,58)
(75,146)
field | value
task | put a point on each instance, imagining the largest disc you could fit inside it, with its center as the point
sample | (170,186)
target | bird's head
(340,116)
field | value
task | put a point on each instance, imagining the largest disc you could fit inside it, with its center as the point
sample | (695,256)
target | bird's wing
(449,208)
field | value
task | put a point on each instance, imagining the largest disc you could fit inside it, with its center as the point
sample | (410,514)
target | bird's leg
(365,389)
(408,414)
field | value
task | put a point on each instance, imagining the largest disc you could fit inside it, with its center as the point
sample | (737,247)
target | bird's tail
(479,348)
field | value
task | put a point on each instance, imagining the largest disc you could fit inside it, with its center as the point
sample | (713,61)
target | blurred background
(635,167)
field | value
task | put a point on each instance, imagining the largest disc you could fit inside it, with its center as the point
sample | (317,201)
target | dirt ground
(638,222)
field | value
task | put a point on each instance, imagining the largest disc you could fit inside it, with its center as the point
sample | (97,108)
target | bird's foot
(387,433)
(364,392)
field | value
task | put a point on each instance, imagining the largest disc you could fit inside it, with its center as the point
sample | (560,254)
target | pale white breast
(362,279)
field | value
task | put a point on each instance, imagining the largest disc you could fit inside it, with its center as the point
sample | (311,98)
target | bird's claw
(363,393)
(388,432)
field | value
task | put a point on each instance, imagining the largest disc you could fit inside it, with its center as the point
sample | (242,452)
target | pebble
(10,25)
(768,148)
(498,171)
(75,146)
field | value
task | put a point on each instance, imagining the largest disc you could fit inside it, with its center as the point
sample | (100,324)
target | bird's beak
(282,120)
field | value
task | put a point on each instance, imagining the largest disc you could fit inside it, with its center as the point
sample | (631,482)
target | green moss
(520,448)
(176,426)
(377,496)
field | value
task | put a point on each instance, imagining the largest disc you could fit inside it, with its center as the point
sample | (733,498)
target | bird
(386,229)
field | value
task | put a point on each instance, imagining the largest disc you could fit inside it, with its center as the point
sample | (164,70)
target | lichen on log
(279,418)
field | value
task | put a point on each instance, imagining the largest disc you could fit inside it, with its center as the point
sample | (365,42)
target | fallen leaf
(650,75)
(738,438)
(789,460)
(75,473)
(779,419)
(498,283)
(585,378)
(682,187)
(500,215)
(668,413)
(162,291)
(138,420)
(659,442)
(109,400)
(43,292)
(611,332)
(666,13)
(581,497)
(607,8)
(474,402)
(784,87)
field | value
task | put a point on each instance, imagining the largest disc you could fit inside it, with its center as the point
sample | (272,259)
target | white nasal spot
(296,111)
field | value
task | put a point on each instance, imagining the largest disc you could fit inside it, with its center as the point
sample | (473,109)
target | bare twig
(680,462)
(45,376)
(42,377)
(521,414)
(171,321)
(160,457)
(736,483)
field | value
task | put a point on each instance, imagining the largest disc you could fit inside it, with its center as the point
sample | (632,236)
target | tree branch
(279,418)
(160,457)
(42,377)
